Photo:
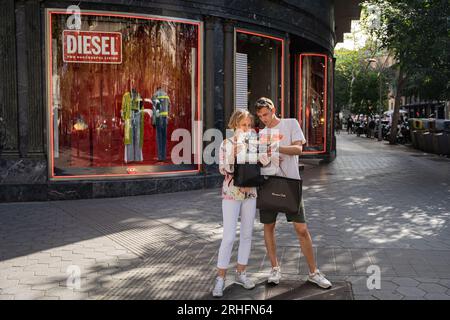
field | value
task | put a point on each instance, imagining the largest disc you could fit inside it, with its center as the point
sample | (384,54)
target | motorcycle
(360,128)
(403,133)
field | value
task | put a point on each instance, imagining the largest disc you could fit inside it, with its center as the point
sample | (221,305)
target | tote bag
(280,194)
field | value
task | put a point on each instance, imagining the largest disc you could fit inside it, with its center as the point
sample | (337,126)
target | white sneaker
(319,279)
(218,287)
(241,279)
(275,275)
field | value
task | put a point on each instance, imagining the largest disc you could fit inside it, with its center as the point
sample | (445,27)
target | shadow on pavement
(287,290)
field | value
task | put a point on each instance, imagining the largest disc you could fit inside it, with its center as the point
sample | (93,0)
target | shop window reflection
(313,100)
(258,69)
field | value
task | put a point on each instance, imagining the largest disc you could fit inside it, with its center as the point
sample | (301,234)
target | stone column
(208,117)
(8,81)
(228,86)
(286,81)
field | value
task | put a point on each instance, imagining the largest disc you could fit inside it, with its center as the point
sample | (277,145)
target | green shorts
(268,217)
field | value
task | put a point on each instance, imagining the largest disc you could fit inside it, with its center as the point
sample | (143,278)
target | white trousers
(230,211)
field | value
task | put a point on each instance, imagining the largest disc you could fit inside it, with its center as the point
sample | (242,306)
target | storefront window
(313,101)
(118,88)
(258,69)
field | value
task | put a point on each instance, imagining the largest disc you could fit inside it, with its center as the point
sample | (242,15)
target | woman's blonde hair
(238,116)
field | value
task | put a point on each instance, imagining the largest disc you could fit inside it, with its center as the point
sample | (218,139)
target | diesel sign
(92,47)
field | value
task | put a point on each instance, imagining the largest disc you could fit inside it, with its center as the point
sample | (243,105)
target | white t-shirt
(286,132)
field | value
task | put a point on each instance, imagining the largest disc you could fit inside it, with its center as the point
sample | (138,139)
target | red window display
(313,101)
(118,88)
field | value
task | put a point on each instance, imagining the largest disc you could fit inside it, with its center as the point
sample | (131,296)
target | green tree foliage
(416,33)
(357,82)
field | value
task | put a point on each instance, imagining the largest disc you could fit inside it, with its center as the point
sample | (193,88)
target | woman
(236,200)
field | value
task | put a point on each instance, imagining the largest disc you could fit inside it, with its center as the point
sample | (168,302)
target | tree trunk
(395,114)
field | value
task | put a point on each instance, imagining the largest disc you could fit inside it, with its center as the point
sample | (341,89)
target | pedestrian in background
(337,125)
(349,125)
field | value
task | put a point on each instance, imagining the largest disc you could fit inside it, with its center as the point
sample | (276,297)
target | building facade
(97,96)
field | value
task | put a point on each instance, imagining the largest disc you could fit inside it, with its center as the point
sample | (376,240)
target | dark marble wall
(105,189)
(23,170)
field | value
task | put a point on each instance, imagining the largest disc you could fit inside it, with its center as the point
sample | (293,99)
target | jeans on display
(161,137)
(133,151)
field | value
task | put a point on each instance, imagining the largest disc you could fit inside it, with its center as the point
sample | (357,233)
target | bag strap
(247,143)
(284,173)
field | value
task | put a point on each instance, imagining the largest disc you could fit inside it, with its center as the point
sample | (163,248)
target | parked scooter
(403,133)
(360,128)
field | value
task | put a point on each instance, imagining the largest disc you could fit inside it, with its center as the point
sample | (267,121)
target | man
(349,125)
(337,124)
(371,128)
(291,139)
